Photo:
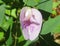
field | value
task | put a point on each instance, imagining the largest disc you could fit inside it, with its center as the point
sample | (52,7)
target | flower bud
(31,22)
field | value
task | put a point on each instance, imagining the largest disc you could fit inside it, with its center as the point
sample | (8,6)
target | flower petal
(34,31)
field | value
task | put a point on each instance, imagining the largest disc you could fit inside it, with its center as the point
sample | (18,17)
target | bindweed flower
(31,22)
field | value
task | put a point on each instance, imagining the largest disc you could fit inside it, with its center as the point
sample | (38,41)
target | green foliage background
(10,31)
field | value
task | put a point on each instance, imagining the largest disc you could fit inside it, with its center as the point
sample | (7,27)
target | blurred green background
(10,30)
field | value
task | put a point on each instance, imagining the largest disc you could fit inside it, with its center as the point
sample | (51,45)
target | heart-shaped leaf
(51,26)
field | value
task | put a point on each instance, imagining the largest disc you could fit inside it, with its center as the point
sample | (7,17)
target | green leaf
(52,25)
(3,45)
(8,6)
(27,43)
(37,1)
(54,12)
(1,1)
(31,2)
(10,39)
(1,35)
(5,25)
(25,1)
(55,4)
(13,13)
(43,0)
(10,21)
(21,38)
(8,12)
(46,6)
(2,15)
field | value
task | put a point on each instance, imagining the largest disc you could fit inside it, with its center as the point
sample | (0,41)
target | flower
(31,22)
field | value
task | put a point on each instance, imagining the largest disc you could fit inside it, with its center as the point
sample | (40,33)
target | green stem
(16,28)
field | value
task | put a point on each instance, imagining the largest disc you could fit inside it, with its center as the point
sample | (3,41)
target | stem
(15,39)
(15,36)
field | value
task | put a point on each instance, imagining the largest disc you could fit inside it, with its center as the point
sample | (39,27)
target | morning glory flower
(31,22)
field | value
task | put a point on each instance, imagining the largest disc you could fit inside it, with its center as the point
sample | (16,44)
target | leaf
(21,38)
(37,1)
(1,35)
(13,13)
(51,26)
(55,4)
(2,15)
(10,39)
(8,6)
(27,43)
(25,1)
(5,25)
(1,1)
(46,6)
(54,12)
(8,12)
(10,21)
(42,1)
(31,2)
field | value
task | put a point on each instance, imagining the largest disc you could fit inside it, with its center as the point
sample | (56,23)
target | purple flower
(31,22)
